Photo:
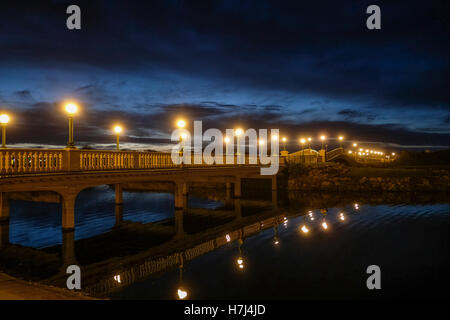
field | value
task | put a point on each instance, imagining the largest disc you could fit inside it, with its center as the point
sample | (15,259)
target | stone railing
(33,161)
(19,161)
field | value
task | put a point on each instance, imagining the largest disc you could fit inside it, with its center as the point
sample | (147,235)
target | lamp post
(284,139)
(71,109)
(309,142)
(238,132)
(302,141)
(322,138)
(181,124)
(4,119)
(118,130)
(341,138)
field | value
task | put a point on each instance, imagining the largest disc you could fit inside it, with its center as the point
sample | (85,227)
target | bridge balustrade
(18,161)
(31,161)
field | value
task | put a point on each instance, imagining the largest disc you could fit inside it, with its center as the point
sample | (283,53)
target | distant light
(341,138)
(284,139)
(355,144)
(356,206)
(349,151)
(309,139)
(183,135)
(261,142)
(4,119)
(274,137)
(71,108)
(322,138)
(341,216)
(393,153)
(226,139)
(117,278)
(238,131)
(325,225)
(228,238)
(302,140)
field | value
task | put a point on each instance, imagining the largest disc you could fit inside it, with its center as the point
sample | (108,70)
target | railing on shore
(24,161)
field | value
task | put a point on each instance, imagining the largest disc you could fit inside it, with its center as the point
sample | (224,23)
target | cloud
(45,123)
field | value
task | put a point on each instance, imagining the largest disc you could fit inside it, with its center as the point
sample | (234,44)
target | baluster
(19,162)
(25,162)
(35,162)
(29,162)
(7,162)
(46,161)
(60,166)
(50,161)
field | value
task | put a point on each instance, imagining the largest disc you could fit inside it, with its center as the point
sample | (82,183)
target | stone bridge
(60,175)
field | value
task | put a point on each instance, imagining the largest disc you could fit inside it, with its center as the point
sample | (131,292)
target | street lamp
(309,142)
(322,138)
(4,119)
(238,132)
(71,109)
(341,138)
(302,141)
(284,139)
(181,123)
(118,130)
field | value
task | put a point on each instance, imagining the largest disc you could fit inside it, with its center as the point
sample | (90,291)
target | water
(407,237)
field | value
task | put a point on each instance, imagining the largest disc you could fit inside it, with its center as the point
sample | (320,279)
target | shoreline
(16,289)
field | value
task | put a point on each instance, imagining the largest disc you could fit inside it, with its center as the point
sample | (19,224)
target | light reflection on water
(286,263)
(296,257)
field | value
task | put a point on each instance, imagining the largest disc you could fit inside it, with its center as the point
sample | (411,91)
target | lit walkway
(15,289)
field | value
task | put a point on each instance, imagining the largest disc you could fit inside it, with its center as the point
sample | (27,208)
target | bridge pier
(238,208)
(4,207)
(118,212)
(68,211)
(68,248)
(179,226)
(119,193)
(274,191)
(4,220)
(4,233)
(181,204)
(228,198)
(237,187)
(181,195)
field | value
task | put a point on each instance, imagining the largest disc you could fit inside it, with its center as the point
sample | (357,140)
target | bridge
(33,174)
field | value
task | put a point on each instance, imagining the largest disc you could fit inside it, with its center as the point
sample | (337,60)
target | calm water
(409,242)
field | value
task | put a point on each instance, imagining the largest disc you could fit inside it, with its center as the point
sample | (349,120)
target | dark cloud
(256,63)
(46,123)
(24,94)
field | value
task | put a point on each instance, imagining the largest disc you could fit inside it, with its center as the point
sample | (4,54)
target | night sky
(305,67)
